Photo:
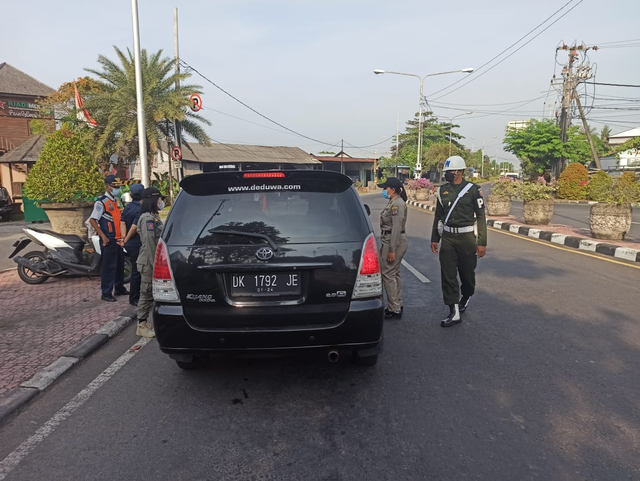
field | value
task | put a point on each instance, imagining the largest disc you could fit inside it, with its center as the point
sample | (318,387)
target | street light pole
(451,119)
(418,169)
(142,134)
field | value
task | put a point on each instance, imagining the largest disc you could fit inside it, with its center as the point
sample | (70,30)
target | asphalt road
(540,381)
(574,215)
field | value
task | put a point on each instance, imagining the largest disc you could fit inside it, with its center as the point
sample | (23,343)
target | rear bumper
(361,330)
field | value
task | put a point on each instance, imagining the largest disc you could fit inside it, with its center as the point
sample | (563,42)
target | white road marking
(9,463)
(636,223)
(414,271)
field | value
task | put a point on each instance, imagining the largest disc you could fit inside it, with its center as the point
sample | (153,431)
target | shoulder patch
(394,210)
(151,225)
(445,192)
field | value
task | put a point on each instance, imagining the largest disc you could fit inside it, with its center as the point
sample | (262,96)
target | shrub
(572,184)
(505,186)
(626,189)
(65,171)
(418,184)
(529,191)
(599,187)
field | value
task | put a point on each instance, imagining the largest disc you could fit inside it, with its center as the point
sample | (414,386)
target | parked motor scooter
(63,254)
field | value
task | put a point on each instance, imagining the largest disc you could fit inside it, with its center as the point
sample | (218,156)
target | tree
(632,144)
(539,145)
(433,131)
(113,105)
(605,133)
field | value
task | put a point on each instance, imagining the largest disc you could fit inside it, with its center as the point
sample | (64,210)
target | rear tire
(364,361)
(29,276)
(195,363)
(6,217)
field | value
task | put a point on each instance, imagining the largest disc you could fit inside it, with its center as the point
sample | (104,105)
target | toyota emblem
(264,254)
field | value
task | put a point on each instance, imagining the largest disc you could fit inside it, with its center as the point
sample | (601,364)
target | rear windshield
(4,195)
(296,216)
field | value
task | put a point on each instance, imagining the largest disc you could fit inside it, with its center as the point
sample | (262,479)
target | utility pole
(418,169)
(176,123)
(571,80)
(342,157)
(142,133)
(397,141)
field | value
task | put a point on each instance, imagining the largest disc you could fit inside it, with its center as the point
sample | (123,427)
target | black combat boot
(453,318)
(464,302)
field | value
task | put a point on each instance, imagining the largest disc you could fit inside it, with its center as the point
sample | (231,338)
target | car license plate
(271,284)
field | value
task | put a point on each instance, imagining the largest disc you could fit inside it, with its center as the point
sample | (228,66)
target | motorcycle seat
(71,239)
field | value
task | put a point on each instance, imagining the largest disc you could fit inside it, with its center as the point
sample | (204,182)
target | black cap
(112,180)
(151,192)
(392,182)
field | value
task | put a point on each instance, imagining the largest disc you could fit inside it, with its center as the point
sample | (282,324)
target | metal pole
(142,133)
(176,53)
(418,169)
(450,128)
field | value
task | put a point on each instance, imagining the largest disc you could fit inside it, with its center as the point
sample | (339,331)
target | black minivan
(274,261)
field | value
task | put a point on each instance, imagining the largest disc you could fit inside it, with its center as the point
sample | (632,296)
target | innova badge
(264,254)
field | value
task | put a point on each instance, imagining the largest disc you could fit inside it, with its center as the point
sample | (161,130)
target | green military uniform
(459,243)
(394,239)
(150,229)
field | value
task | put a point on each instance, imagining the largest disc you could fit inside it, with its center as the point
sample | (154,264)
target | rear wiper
(246,234)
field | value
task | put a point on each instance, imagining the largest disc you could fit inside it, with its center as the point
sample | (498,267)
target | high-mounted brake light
(369,280)
(263,175)
(164,287)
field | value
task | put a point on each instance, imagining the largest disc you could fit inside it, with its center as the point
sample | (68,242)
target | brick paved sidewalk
(40,323)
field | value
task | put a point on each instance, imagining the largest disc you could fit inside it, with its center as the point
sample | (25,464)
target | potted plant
(573,181)
(421,189)
(65,182)
(538,204)
(610,218)
(499,201)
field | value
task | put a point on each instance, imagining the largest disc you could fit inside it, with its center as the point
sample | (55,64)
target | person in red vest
(106,220)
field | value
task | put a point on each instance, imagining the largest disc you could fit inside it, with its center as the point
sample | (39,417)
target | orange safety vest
(111,217)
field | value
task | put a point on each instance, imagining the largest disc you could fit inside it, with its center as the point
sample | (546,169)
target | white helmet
(455,162)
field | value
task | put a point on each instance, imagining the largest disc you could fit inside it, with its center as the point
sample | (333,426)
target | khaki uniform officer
(460,206)
(394,244)
(150,229)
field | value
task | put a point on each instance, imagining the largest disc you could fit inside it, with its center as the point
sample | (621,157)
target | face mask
(385,194)
(449,175)
(115,192)
(160,204)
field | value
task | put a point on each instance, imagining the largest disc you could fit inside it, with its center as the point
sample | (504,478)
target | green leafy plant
(505,186)
(65,171)
(161,182)
(529,191)
(625,190)
(599,187)
(572,184)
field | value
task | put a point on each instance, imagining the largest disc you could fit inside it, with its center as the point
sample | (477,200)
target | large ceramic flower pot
(610,221)
(422,196)
(498,205)
(538,212)
(68,218)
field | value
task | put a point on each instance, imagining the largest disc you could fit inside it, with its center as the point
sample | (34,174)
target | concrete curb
(17,398)
(580,243)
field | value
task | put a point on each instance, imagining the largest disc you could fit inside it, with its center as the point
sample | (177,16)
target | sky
(309,64)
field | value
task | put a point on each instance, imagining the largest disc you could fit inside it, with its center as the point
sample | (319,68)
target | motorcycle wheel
(127,270)
(29,276)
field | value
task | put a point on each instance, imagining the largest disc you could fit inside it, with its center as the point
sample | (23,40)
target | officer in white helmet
(460,206)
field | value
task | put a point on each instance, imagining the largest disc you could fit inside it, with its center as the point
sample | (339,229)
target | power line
(615,85)
(509,48)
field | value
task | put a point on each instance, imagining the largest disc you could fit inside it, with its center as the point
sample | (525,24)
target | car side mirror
(366,207)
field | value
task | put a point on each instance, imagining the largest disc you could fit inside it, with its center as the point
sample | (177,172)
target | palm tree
(114,105)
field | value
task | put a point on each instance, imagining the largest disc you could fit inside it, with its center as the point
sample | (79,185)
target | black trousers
(112,270)
(458,258)
(134,285)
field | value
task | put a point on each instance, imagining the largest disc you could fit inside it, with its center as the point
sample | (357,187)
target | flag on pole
(83,114)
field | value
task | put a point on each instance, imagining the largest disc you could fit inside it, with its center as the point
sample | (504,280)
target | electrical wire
(509,48)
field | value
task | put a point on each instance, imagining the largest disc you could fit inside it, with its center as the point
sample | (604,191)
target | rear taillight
(164,287)
(369,280)
(264,175)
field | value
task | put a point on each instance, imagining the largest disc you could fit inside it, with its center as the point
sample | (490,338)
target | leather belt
(459,230)
(388,232)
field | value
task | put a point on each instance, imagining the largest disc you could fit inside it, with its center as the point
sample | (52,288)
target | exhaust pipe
(35,267)
(333,356)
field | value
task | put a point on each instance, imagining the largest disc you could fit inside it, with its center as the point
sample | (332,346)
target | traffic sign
(176,153)
(196,102)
